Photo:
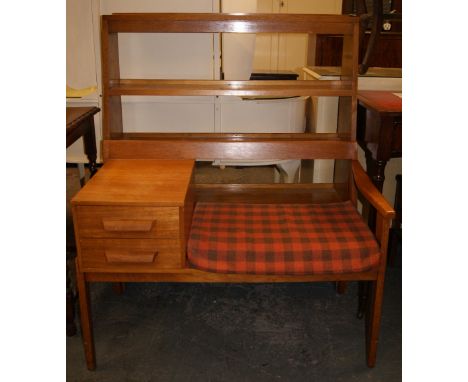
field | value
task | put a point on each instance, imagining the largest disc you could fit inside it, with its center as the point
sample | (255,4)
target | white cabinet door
(123,6)
(287,51)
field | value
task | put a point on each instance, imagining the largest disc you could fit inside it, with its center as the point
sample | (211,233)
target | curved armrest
(370,192)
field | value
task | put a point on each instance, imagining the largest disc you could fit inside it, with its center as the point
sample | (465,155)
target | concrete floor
(235,332)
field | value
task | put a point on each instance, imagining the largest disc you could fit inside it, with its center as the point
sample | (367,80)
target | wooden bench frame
(349,178)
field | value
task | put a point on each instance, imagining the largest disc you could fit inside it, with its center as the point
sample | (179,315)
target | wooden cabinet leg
(377,13)
(378,177)
(363,288)
(341,287)
(85,315)
(118,288)
(376,171)
(373,318)
(70,303)
(89,142)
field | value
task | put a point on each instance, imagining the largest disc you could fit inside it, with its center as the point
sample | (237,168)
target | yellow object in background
(79,93)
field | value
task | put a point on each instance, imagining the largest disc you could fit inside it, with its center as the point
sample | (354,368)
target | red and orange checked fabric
(280,239)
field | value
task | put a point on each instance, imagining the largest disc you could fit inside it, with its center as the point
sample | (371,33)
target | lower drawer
(130,255)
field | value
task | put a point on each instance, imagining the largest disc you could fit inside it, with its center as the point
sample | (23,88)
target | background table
(80,123)
(379,127)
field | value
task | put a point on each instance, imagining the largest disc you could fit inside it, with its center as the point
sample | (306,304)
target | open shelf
(118,144)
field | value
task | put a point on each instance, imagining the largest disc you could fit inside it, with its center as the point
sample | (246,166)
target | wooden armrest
(370,192)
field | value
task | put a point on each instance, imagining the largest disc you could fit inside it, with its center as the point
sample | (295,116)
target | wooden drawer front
(129,255)
(127,222)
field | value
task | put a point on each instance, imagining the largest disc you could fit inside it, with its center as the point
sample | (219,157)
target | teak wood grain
(97,221)
(228,88)
(120,256)
(370,192)
(269,193)
(164,253)
(138,182)
(383,101)
(228,23)
(220,149)
(193,275)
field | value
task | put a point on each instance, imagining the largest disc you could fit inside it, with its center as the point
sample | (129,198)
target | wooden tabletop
(75,115)
(381,101)
(335,71)
(138,182)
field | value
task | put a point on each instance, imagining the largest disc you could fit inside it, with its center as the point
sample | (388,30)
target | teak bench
(143,218)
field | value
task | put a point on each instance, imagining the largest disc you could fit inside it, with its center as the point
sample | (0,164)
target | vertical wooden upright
(112,105)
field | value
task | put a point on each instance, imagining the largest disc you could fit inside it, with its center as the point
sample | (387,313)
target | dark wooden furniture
(133,219)
(387,52)
(395,236)
(378,47)
(80,123)
(379,133)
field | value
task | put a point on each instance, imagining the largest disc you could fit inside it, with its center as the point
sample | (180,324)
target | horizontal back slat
(291,193)
(228,23)
(229,150)
(229,88)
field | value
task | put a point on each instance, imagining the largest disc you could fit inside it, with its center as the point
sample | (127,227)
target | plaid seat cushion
(280,239)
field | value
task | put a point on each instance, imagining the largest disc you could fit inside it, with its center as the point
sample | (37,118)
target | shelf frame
(114,87)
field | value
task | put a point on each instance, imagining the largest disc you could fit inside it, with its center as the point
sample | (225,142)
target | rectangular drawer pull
(122,256)
(127,225)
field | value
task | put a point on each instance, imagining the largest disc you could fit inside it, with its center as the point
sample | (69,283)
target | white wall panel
(81,66)
(166,56)
(238,49)
(122,6)
(262,116)
(168,114)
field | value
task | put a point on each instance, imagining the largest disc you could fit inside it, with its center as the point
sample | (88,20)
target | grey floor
(234,332)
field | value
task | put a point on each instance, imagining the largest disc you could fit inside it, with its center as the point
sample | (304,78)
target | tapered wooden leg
(71,327)
(341,287)
(373,317)
(118,288)
(363,297)
(85,315)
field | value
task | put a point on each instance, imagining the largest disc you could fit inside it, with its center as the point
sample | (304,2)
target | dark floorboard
(236,332)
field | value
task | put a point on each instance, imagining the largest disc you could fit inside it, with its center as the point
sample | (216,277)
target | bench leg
(70,304)
(341,287)
(85,315)
(363,297)
(373,318)
(118,288)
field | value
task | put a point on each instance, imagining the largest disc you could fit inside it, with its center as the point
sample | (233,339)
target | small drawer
(129,255)
(127,222)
